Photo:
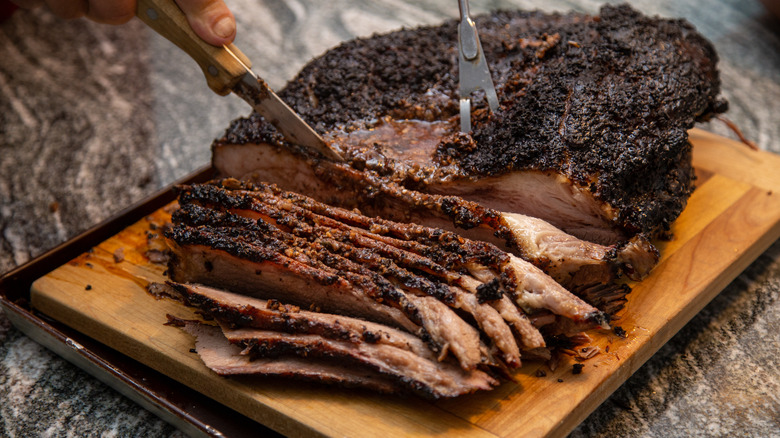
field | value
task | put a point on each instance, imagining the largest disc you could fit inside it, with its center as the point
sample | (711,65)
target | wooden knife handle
(221,69)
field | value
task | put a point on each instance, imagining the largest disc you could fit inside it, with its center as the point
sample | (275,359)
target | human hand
(210,19)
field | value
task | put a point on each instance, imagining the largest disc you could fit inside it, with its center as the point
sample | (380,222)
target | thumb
(210,19)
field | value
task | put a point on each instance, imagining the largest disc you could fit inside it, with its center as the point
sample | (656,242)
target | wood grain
(732,217)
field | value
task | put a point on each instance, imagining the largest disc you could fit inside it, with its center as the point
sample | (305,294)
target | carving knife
(227,70)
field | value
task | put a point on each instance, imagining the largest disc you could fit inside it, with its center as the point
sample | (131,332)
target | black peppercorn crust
(605,100)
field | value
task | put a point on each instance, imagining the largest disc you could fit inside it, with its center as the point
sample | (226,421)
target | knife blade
(228,70)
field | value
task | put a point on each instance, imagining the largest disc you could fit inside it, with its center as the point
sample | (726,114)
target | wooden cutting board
(732,217)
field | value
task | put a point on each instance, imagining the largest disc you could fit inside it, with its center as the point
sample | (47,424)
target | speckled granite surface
(96,117)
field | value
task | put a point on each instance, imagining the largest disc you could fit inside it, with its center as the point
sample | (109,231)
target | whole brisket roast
(553,197)
(590,134)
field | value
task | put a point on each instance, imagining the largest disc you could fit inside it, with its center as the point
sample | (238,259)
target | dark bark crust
(605,100)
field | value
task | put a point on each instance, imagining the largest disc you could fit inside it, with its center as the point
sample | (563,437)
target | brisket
(226,359)
(428,258)
(570,260)
(265,242)
(236,310)
(590,134)
(378,366)
(428,378)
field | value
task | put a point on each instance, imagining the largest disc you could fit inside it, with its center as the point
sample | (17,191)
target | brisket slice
(570,260)
(387,255)
(197,260)
(226,359)
(202,257)
(590,134)
(262,241)
(372,364)
(241,255)
(236,310)
(432,251)
(424,377)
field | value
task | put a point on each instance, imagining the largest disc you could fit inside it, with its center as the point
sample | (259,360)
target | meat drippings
(399,139)
(401,148)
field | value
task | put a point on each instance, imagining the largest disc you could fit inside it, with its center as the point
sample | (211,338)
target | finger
(68,9)
(111,11)
(210,19)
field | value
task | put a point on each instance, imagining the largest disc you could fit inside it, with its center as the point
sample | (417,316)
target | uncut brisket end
(608,112)
(590,135)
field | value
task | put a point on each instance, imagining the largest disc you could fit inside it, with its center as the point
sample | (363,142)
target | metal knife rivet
(151,13)
(213,70)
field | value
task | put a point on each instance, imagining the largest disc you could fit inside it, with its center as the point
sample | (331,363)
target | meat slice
(433,251)
(238,254)
(533,291)
(269,329)
(488,288)
(393,257)
(590,134)
(226,359)
(427,281)
(571,261)
(428,378)
(235,310)
(200,259)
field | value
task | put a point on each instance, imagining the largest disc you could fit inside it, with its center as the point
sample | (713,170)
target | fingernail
(225,27)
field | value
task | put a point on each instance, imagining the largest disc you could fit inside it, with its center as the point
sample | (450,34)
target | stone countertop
(96,117)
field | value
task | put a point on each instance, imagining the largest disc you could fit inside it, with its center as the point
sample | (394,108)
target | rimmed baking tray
(190,411)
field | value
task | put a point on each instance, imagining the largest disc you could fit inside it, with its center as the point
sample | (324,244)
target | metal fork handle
(474,73)
(467,32)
